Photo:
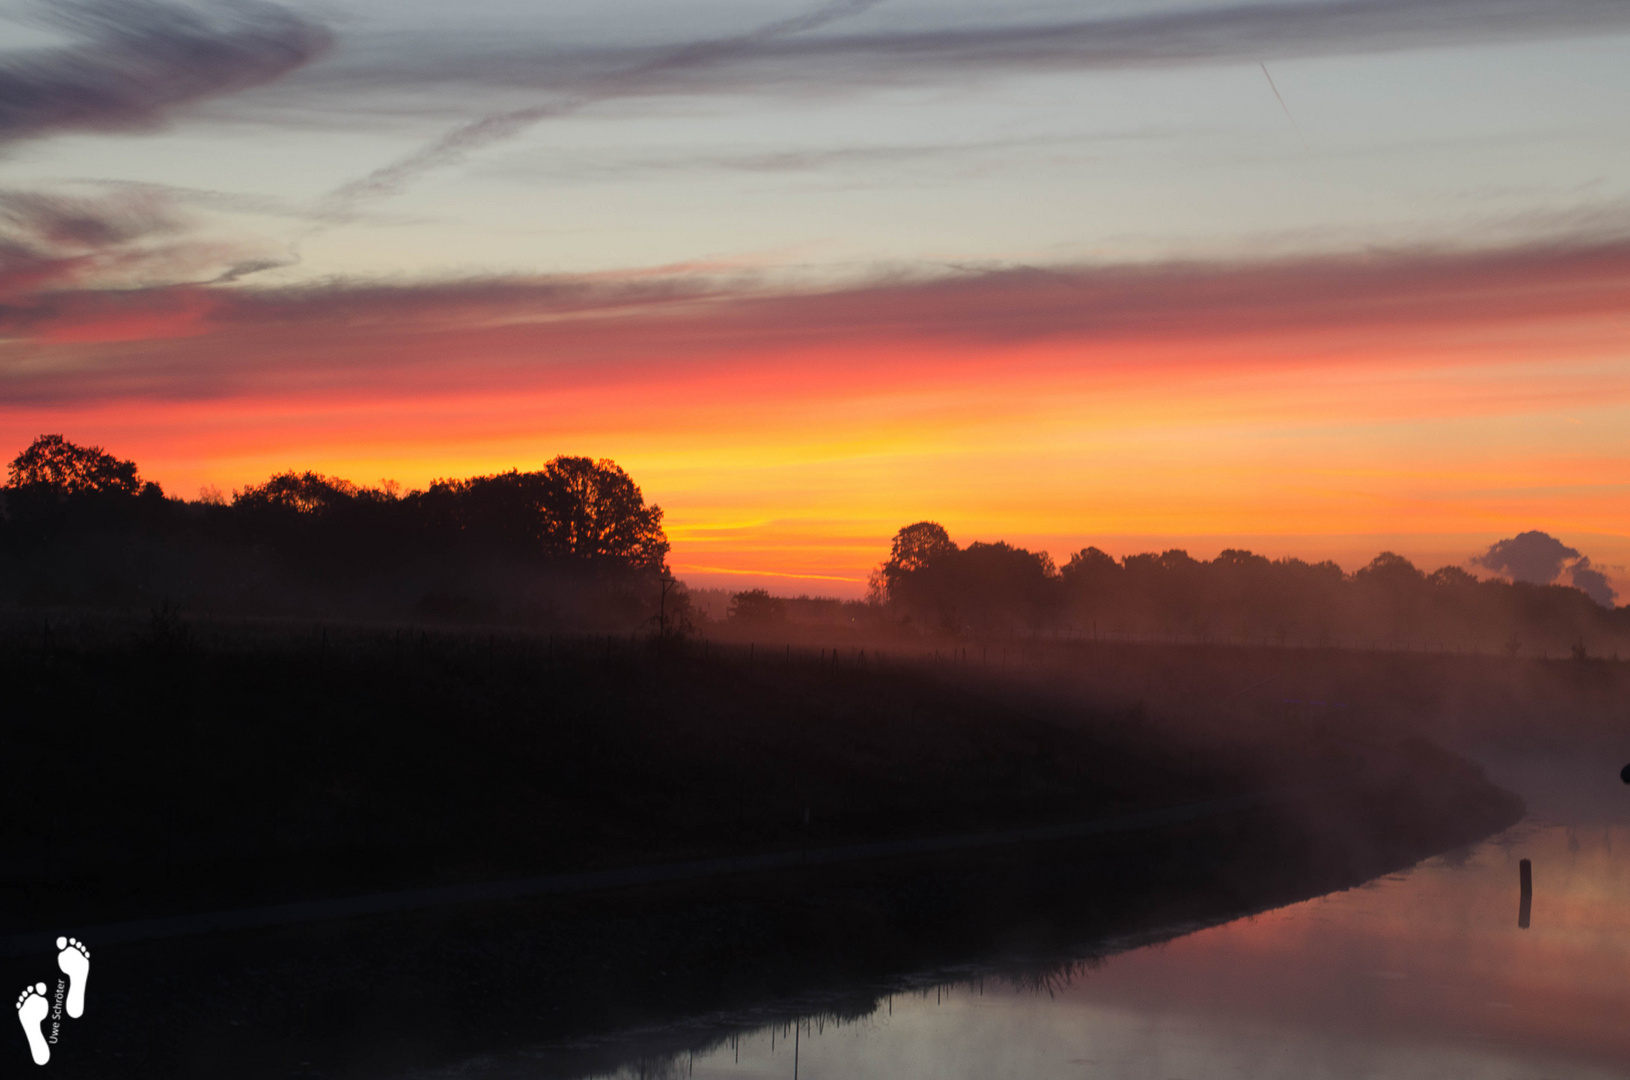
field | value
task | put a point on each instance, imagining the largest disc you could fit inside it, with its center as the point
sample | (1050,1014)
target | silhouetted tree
(574,508)
(1451,577)
(1092,586)
(986,585)
(574,538)
(1392,572)
(756,607)
(675,617)
(907,580)
(1237,596)
(594,510)
(300,493)
(56,488)
(53,464)
(914,551)
(1000,587)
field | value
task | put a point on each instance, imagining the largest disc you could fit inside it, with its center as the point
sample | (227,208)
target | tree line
(996,588)
(78,525)
(575,543)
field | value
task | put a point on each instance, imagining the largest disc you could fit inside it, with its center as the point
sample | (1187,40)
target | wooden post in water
(1525,877)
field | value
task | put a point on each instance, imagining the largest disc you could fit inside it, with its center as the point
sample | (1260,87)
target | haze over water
(1421,974)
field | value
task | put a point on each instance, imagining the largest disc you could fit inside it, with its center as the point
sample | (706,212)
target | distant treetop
(53,464)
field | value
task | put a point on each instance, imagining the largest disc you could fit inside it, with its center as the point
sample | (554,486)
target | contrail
(498,126)
(1282,105)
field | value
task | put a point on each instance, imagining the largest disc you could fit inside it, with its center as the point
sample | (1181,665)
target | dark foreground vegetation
(173,767)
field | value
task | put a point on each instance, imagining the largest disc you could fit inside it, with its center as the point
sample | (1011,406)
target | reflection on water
(1419,974)
(1525,885)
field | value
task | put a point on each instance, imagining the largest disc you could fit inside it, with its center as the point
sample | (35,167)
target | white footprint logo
(31,1009)
(75,962)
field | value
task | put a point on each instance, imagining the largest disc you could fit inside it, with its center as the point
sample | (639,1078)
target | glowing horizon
(811,274)
(1445,399)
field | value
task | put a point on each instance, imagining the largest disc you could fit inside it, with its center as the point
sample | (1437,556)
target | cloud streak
(792,53)
(61,245)
(648,74)
(135,62)
(1240,32)
(190,340)
(49,241)
(789,52)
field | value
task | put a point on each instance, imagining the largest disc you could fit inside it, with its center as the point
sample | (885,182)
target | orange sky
(1327,408)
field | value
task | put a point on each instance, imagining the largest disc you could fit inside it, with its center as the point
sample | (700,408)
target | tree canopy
(572,508)
(52,464)
(575,533)
(757,607)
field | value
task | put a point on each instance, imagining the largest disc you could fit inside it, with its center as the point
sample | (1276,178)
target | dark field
(168,769)
(188,775)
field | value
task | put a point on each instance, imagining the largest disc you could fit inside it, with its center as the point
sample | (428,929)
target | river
(1424,973)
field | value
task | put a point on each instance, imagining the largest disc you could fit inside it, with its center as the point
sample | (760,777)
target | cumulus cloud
(1533,556)
(133,62)
(1592,582)
(1541,559)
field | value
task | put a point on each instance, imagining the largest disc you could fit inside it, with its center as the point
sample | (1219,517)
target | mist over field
(910,538)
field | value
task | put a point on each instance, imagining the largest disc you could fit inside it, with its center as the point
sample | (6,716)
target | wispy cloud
(651,72)
(84,223)
(602,167)
(790,52)
(1238,32)
(134,62)
(236,339)
(804,53)
(131,237)
(49,241)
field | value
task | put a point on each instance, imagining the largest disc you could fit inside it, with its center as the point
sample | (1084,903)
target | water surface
(1424,973)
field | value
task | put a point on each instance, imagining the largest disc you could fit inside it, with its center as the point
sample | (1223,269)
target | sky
(1312,278)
